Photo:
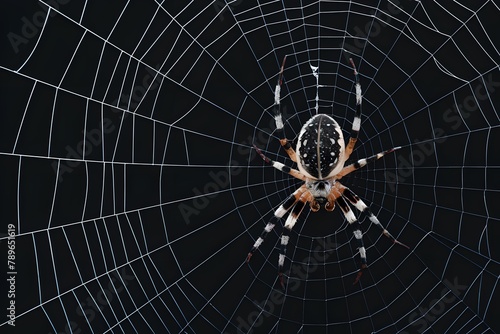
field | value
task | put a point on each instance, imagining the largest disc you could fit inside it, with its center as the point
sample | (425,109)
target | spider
(320,156)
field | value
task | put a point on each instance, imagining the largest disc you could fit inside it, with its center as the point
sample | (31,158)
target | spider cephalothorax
(320,191)
(320,155)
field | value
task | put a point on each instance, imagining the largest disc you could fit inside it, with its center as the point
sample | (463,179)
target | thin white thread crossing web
(133,194)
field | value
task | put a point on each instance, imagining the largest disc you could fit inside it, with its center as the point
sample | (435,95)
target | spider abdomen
(320,147)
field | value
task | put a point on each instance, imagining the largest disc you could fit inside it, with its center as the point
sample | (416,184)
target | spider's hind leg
(354,199)
(296,202)
(285,237)
(362,207)
(278,214)
(355,226)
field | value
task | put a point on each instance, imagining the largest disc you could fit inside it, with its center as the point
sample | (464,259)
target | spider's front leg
(278,118)
(356,123)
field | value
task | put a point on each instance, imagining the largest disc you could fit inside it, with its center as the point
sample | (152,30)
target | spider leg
(356,231)
(278,117)
(362,207)
(351,218)
(356,123)
(278,214)
(285,236)
(363,162)
(278,165)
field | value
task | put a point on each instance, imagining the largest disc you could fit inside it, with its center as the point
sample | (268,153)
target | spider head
(319,189)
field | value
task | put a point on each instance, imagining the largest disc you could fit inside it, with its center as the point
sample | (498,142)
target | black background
(159,209)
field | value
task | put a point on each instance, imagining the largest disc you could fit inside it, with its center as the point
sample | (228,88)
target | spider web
(133,193)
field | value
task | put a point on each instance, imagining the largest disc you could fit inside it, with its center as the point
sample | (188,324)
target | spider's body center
(320,189)
(320,148)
